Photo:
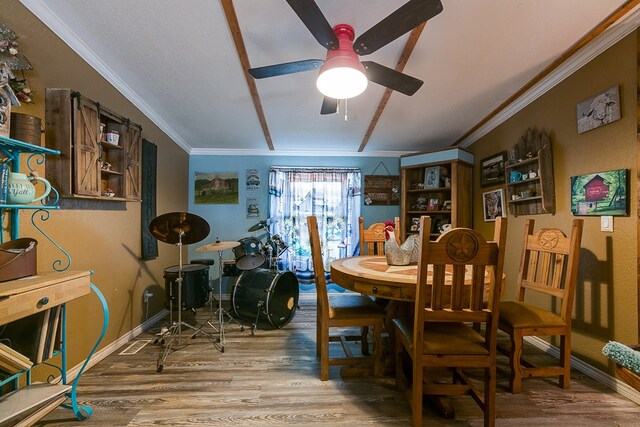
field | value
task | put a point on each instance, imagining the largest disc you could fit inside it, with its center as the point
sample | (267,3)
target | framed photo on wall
(598,110)
(601,193)
(493,203)
(492,169)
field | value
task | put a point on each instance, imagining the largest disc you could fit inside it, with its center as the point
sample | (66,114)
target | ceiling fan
(342,74)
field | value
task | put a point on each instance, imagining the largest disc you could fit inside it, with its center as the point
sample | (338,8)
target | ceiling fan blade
(312,17)
(286,68)
(392,79)
(403,20)
(329,106)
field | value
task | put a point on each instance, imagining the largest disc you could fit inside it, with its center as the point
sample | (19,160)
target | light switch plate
(606,223)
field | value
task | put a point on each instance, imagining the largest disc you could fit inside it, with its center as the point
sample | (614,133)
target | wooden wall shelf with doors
(437,184)
(100,150)
(529,176)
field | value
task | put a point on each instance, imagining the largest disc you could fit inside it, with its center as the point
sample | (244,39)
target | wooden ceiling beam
(402,62)
(596,31)
(234,26)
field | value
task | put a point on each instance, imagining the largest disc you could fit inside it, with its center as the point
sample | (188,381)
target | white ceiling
(176,61)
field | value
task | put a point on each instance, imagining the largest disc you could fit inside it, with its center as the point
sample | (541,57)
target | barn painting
(602,193)
(598,110)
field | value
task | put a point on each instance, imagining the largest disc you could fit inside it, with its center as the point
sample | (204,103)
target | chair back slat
(455,291)
(558,271)
(457,287)
(437,287)
(551,266)
(477,287)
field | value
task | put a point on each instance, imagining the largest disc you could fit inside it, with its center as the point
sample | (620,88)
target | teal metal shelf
(46,207)
(15,145)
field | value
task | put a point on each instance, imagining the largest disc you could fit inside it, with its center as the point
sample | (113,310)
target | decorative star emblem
(548,239)
(462,247)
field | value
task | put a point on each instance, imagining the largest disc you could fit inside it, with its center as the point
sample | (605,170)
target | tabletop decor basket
(18,258)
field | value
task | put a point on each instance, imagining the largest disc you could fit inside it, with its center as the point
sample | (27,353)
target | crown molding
(42,11)
(604,41)
(289,153)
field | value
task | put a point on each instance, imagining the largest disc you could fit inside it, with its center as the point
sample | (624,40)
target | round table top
(375,267)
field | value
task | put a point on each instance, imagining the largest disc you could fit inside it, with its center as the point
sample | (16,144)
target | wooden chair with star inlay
(342,311)
(440,345)
(548,266)
(372,238)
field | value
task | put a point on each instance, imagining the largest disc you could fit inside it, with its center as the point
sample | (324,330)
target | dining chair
(372,238)
(440,341)
(342,311)
(548,265)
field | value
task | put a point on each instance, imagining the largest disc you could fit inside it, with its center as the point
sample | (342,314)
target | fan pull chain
(346,111)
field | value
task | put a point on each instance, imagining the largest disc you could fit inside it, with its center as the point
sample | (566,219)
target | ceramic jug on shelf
(22,191)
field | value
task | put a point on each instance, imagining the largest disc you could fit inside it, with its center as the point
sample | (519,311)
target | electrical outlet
(147,296)
(606,223)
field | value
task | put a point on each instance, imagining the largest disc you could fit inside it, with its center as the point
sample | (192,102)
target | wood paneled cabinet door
(100,150)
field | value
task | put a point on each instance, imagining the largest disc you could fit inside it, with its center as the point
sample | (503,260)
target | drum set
(252,253)
(262,296)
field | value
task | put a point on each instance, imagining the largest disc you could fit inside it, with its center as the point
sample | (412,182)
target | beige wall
(606,298)
(100,236)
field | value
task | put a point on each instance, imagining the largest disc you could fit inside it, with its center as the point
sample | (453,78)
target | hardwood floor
(272,378)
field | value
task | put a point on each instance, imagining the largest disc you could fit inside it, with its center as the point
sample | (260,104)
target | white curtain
(332,195)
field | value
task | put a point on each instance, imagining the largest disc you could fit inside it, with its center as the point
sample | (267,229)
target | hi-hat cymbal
(176,227)
(217,246)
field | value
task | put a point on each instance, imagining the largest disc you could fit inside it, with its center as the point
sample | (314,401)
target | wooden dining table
(371,275)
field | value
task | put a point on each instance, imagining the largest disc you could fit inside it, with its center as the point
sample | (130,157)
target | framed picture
(216,188)
(492,169)
(598,110)
(493,202)
(446,205)
(433,205)
(415,224)
(602,193)
(432,177)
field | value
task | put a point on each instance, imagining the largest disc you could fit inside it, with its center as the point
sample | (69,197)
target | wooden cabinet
(437,184)
(91,163)
(530,183)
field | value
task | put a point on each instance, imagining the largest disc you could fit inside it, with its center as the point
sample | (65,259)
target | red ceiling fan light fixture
(342,76)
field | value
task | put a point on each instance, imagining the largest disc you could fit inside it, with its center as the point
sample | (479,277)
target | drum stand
(174,331)
(219,313)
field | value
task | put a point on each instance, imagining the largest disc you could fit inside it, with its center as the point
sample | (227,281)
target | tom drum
(195,285)
(248,254)
(265,298)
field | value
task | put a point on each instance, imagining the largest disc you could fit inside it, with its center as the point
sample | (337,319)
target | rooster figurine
(404,254)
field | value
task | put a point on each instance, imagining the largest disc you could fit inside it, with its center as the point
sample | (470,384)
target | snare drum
(265,298)
(248,254)
(195,285)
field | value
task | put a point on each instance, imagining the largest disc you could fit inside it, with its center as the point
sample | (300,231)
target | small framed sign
(432,177)
(492,169)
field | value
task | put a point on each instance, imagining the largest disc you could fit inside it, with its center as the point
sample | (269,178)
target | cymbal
(258,226)
(217,246)
(169,228)
(262,224)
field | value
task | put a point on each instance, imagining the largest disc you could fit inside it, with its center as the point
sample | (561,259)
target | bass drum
(264,298)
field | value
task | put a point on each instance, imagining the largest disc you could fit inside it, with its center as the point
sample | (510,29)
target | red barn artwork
(596,189)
